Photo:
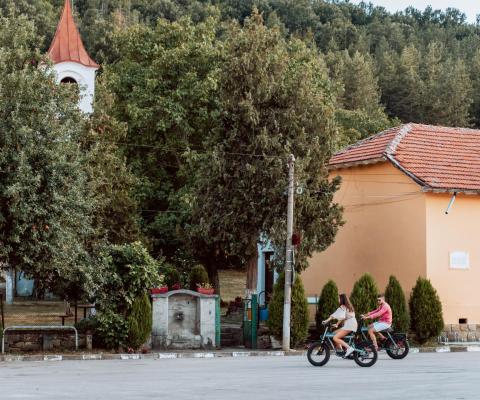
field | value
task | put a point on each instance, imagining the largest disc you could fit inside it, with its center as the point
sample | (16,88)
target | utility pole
(288,256)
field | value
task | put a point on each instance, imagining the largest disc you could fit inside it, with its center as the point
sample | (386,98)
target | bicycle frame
(327,337)
(386,333)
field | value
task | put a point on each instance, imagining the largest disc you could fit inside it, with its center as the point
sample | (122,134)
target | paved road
(419,376)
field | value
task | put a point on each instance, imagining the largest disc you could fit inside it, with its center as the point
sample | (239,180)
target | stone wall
(33,341)
(462,332)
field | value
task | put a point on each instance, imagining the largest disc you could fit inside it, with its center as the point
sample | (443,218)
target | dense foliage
(45,200)
(199,103)
(299,311)
(395,297)
(276,100)
(364,295)
(128,271)
(327,303)
(139,321)
(197,276)
(425,311)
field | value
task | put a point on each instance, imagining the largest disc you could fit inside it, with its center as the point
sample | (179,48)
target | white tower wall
(85,78)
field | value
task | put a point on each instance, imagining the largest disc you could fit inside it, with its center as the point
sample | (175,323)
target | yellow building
(396,189)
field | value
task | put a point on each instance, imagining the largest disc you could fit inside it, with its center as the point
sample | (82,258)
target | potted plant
(205,288)
(162,287)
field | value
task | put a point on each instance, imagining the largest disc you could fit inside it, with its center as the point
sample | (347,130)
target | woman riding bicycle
(344,313)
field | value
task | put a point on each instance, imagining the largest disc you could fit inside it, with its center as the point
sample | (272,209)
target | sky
(470,7)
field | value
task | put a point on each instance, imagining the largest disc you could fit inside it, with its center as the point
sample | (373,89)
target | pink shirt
(383,313)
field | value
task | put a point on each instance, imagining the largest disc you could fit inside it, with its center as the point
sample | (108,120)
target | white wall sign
(459,260)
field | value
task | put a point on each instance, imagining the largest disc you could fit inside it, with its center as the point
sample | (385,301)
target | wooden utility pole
(288,256)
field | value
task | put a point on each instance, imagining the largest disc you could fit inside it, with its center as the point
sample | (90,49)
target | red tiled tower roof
(438,158)
(67,44)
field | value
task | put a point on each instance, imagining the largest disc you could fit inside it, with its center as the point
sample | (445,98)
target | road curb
(203,354)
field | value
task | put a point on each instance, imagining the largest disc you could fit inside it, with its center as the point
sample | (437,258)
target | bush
(112,329)
(327,303)
(364,295)
(198,275)
(395,297)
(172,278)
(125,273)
(425,311)
(85,325)
(299,311)
(139,322)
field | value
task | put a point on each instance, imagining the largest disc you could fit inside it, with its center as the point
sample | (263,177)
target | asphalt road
(419,376)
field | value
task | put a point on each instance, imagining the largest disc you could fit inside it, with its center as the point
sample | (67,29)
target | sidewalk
(204,354)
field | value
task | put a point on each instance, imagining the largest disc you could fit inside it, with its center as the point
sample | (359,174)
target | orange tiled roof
(67,44)
(438,158)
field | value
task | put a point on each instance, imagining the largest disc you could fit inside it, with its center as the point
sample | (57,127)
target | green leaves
(364,295)
(425,311)
(299,311)
(276,100)
(327,303)
(395,297)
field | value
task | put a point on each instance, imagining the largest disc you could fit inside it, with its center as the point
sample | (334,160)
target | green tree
(327,303)
(111,181)
(139,322)
(425,311)
(276,100)
(364,295)
(198,275)
(403,87)
(124,273)
(163,87)
(395,297)
(361,85)
(46,204)
(299,311)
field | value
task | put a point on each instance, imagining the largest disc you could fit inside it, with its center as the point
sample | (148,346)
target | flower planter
(177,286)
(159,290)
(205,291)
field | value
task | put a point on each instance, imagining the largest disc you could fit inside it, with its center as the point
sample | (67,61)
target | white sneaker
(349,351)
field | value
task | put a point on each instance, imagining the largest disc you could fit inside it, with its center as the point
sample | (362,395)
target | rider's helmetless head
(380,299)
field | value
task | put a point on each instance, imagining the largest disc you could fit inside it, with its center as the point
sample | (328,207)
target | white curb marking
(52,358)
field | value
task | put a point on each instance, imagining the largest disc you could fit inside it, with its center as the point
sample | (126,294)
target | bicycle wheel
(365,354)
(398,350)
(318,354)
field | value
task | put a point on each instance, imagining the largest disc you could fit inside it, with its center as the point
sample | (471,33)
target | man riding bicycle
(384,315)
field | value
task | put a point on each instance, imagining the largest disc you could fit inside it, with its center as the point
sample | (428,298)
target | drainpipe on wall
(452,200)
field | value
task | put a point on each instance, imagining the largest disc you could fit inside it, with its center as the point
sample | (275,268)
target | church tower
(72,63)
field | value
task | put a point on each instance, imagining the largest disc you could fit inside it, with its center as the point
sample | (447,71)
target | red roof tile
(67,44)
(438,158)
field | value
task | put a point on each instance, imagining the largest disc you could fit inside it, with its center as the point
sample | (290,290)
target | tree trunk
(212,271)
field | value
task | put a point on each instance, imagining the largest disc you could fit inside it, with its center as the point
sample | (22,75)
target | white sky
(470,7)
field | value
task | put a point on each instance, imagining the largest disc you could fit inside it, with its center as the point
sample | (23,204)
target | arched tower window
(69,79)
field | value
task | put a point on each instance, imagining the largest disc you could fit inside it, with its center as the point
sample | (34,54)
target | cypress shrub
(395,297)
(364,295)
(425,311)
(299,311)
(327,303)
(172,277)
(198,275)
(139,322)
